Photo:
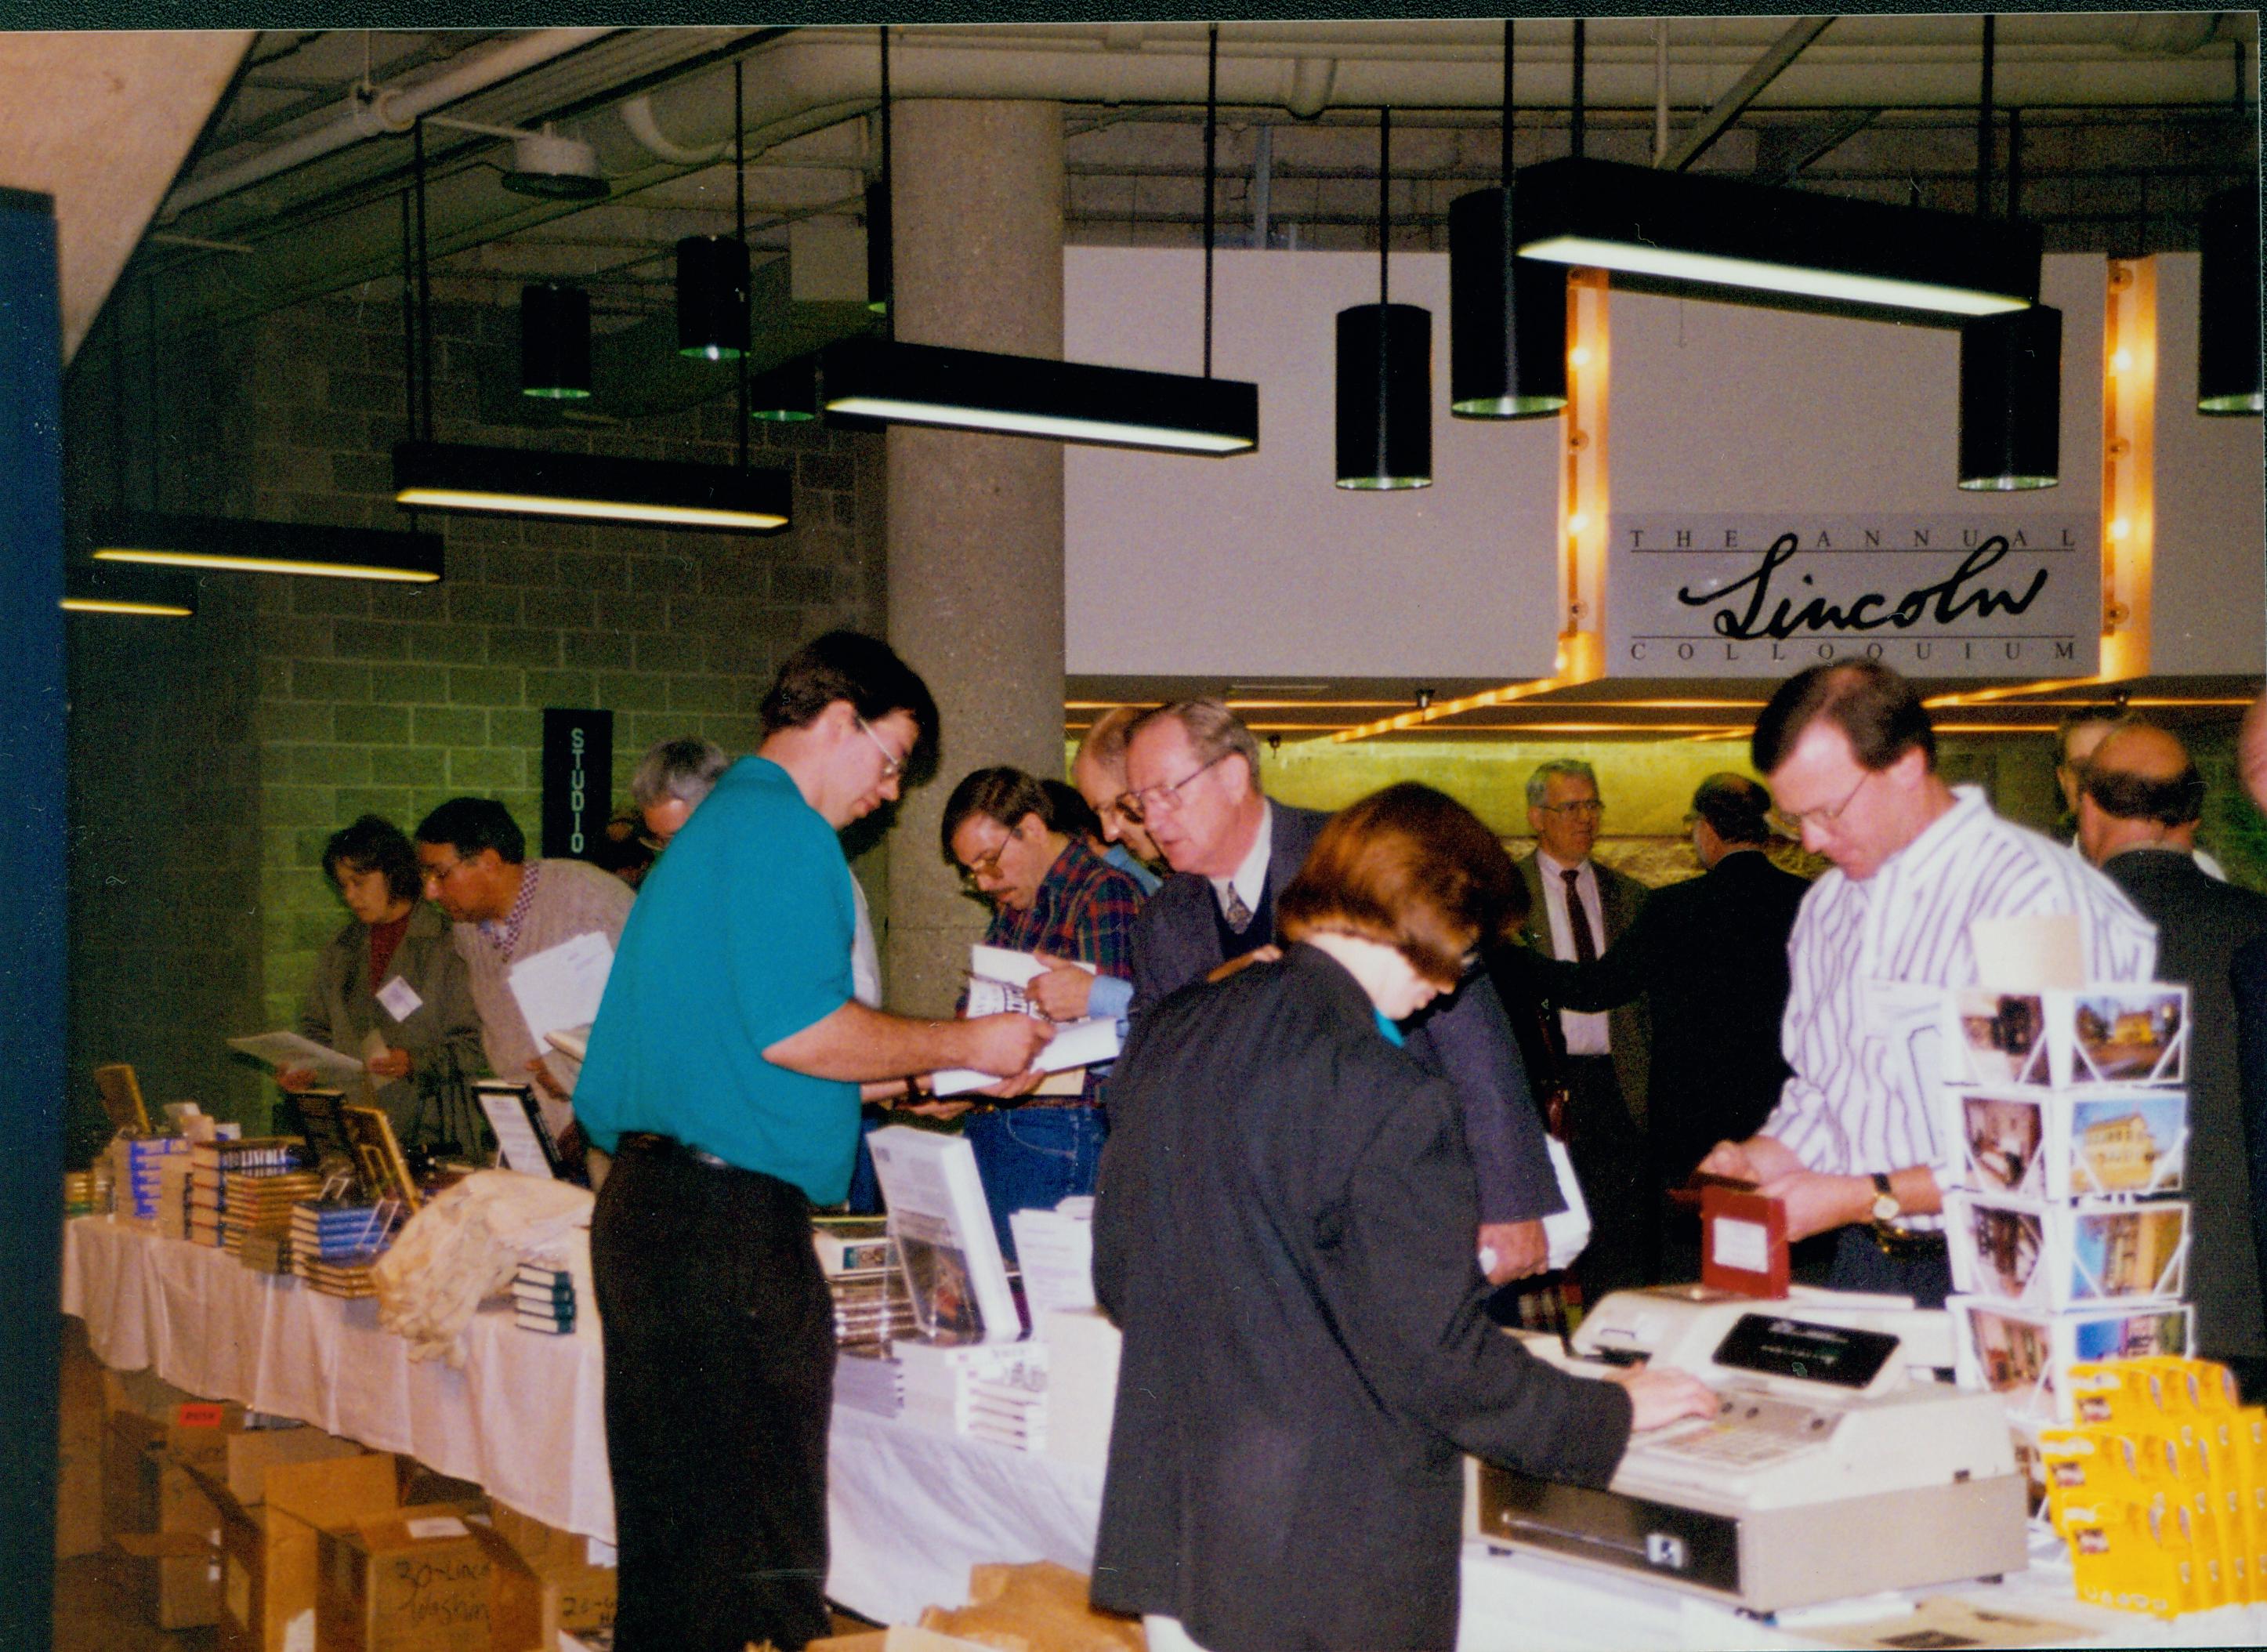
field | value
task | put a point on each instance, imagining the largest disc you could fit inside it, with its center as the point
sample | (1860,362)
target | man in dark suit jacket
(1709,956)
(1193,774)
(1605,1064)
(2138,787)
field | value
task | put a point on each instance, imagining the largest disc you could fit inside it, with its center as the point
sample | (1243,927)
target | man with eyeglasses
(1856,1146)
(1577,909)
(1192,774)
(473,858)
(723,1076)
(1049,894)
(1098,771)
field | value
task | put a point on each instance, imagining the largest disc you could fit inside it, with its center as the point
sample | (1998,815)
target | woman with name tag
(392,985)
(1283,1233)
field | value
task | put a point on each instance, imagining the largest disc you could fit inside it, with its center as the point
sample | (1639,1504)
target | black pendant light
(1385,371)
(880,240)
(554,342)
(1507,314)
(712,272)
(785,394)
(2010,366)
(2227,304)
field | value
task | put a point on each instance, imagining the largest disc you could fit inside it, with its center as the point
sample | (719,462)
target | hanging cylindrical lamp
(554,342)
(712,298)
(2011,401)
(1507,314)
(785,394)
(1385,372)
(880,238)
(2227,304)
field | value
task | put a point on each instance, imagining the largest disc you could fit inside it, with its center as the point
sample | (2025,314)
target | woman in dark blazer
(1284,1236)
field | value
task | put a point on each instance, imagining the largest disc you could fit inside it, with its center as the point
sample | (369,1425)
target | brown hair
(1409,867)
(1878,712)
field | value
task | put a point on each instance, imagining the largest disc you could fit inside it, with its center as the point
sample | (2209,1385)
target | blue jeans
(1031,1158)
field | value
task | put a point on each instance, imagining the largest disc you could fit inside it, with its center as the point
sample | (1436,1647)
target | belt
(646,1141)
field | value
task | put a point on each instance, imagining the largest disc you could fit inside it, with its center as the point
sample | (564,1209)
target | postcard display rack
(2069,1237)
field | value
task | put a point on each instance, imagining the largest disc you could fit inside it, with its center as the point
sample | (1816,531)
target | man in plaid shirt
(1051,895)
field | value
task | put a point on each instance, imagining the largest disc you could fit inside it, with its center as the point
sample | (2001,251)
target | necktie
(1578,920)
(1239,915)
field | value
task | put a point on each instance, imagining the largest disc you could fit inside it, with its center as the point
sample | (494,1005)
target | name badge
(398,999)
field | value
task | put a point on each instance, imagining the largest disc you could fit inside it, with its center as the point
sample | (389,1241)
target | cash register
(1835,1465)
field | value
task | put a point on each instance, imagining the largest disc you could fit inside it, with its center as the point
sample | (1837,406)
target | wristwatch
(1886,1207)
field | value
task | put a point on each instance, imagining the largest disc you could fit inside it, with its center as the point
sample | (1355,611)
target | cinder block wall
(211,757)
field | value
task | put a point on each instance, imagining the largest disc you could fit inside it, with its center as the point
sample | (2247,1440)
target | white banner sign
(1933,595)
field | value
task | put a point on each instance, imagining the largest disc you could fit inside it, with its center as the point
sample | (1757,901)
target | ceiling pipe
(1734,103)
(637,115)
(393,109)
(1311,79)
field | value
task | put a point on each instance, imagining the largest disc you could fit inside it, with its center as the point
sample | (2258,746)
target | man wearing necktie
(1577,909)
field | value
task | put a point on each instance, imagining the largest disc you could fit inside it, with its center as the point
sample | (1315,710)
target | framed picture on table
(377,1155)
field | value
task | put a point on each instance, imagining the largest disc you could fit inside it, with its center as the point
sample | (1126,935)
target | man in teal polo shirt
(723,1077)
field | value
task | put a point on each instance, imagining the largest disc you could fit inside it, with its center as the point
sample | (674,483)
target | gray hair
(1213,730)
(686,769)
(1538,783)
(1105,740)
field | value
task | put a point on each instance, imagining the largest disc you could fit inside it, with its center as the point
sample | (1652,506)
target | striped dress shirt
(1868,961)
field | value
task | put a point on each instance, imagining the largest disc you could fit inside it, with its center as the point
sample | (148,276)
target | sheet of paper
(996,980)
(334,1069)
(561,985)
(398,999)
(2031,952)
(575,1041)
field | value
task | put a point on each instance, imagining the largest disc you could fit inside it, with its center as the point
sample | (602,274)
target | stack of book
(333,1243)
(86,1192)
(995,1391)
(868,1379)
(543,1299)
(872,1309)
(262,1203)
(135,1165)
(267,1252)
(215,1165)
(174,1196)
(2069,1108)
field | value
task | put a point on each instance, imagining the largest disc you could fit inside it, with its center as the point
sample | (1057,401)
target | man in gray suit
(1192,773)
(1577,909)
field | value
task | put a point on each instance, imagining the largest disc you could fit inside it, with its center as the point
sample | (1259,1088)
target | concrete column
(975,522)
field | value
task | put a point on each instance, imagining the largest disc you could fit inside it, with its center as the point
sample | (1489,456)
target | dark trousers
(1859,1264)
(719,1340)
(1619,1183)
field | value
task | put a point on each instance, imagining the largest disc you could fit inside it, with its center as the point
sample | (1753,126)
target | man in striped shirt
(1856,1144)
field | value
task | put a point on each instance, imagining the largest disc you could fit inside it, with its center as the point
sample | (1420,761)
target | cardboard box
(268,1551)
(163,1530)
(415,1580)
(553,1568)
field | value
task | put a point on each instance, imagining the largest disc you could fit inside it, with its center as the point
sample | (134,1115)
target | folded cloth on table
(464,1247)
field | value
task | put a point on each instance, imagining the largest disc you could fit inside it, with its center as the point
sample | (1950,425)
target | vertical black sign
(578,780)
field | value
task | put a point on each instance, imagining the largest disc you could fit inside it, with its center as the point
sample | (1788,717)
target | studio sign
(1950,595)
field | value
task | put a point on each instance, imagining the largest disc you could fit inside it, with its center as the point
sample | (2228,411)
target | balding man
(1098,771)
(2139,787)
(1193,774)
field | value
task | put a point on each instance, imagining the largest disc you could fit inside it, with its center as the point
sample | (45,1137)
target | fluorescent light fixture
(785,394)
(529,481)
(113,589)
(712,298)
(223,543)
(1685,227)
(1025,395)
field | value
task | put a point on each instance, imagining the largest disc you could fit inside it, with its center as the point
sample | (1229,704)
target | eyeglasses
(984,866)
(892,765)
(1827,816)
(1138,806)
(1581,809)
(438,874)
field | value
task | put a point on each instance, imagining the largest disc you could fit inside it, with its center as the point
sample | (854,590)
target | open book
(996,980)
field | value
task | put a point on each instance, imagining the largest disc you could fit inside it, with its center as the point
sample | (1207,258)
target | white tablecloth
(910,1510)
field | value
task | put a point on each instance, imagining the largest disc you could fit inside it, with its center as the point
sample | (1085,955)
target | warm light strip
(2129,407)
(117,604)
(1640,260)
(588,509)
(1103,430)
(259,564)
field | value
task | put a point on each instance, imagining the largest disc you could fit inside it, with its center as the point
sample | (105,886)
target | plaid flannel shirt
(1084,910)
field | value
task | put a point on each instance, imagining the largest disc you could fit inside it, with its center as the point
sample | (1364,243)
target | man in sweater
(509,909)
